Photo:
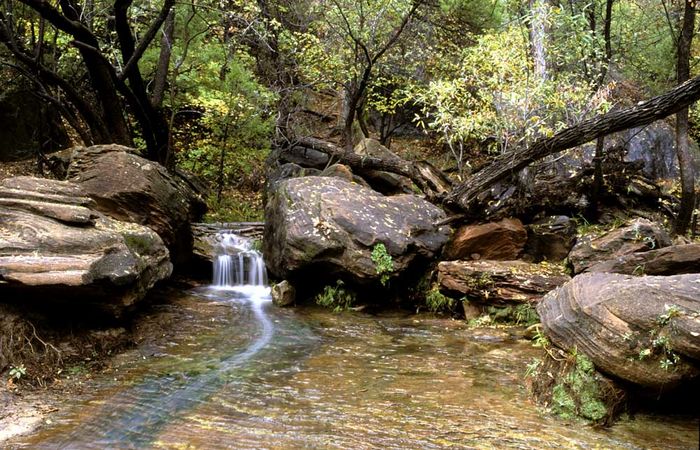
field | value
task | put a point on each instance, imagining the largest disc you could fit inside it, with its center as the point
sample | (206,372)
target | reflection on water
(242,374)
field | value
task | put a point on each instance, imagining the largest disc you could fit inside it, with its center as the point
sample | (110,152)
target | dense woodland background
(212,86)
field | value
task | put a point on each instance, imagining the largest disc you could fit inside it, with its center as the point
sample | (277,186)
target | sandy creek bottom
(240,373)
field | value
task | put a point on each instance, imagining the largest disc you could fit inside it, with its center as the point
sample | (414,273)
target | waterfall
(237,263)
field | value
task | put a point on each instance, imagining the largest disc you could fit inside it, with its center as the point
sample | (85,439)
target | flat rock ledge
(54,246)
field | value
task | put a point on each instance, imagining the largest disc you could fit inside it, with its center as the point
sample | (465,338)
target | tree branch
(147,38)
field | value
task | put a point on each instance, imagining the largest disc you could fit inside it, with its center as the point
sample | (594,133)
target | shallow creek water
(240,373)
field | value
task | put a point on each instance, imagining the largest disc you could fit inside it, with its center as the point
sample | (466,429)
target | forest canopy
(212,86)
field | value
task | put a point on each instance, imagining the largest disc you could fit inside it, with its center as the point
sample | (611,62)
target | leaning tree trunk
(685,162)
(465,195)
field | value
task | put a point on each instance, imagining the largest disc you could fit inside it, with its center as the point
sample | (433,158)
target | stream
(243,374)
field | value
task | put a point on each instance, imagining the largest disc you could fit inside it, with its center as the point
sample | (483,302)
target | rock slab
(502,240)
(130,188)
(498,282)
(673,260)
(640,235)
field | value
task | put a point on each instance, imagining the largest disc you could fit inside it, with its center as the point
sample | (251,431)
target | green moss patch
(568,385)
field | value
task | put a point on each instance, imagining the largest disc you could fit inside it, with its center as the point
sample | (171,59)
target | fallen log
(465,196)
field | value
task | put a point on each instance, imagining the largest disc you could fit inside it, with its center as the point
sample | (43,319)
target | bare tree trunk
(538,37)
(685,162)
(166,50)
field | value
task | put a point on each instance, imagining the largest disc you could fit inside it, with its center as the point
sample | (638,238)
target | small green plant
(578,392)
(257,245)
(671,312)
(659,343)
(540,339)
(17,372)
(384,263)
(436,301)
(533,367)
(482,321)
(522,314)
(336,297)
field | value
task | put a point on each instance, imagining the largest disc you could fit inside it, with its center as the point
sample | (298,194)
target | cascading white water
(238,264)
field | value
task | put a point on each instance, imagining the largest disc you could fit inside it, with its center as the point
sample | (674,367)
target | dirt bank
(47,357)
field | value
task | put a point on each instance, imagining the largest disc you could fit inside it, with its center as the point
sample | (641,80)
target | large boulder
(673,260)
(644,330)
(640,235)
(498,282)
(320,227)
(54,246)
(130,188)
(502,240)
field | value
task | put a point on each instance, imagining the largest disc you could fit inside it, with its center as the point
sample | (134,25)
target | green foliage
(17,372)
(540,339)
(384,263)
(533,367)
(657,344)
(646,49)
(436,301)
(492,96)
(522,314)
(222,117)
(481,321)
(235,206)
(578,394)
(519,315)
(338,297)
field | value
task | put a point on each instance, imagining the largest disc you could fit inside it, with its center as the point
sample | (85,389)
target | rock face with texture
(497,282)
(326,227)
(640,235)
(674,260)
(55,246)
(550,239)
(502,240)
(130,188)
(645,330)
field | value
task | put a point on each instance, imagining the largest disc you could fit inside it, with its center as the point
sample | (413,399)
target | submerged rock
(321,227)
(640,235)
(645,330)
(497,282)
(283,293)
(502,240)
(54,246)
(130,188)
